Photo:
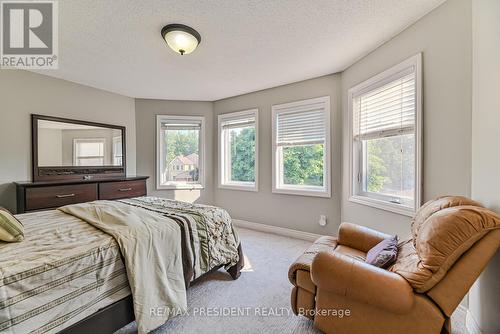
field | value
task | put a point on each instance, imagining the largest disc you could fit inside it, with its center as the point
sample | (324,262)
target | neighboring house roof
(181,160)
(191,159)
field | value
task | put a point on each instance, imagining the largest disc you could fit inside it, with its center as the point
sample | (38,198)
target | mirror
(72,148)
(66,144)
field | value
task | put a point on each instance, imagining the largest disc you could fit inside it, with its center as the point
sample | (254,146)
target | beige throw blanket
(151,246)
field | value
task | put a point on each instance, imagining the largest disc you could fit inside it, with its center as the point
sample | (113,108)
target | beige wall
(484,298)
(50,147)
(146,111)
(23,93)
(444,38)
(290,211)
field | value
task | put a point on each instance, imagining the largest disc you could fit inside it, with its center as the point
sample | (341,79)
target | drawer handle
(125,189)
(65,196)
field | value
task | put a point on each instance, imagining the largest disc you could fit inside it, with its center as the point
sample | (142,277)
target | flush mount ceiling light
(180,38)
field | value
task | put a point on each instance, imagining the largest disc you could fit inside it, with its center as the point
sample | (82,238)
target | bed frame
(121,313)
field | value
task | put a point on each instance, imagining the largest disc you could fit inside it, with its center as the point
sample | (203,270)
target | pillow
(11,229)
(384,253)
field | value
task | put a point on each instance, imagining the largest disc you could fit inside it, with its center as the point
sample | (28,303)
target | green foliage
(377,172)
(303,165)
(243,155)
(181,142)
(391,163)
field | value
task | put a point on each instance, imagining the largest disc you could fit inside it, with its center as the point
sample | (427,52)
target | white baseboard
(471,324)
(287,232)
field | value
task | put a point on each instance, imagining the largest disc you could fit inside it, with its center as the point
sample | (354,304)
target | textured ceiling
(247,45)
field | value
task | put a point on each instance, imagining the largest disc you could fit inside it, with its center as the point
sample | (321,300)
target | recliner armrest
(324,243)
(353,279)
(359,237)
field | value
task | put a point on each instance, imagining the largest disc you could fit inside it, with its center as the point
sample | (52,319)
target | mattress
(64,271)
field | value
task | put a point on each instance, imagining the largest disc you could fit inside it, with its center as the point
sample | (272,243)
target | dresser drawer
(123,189)
(56,196)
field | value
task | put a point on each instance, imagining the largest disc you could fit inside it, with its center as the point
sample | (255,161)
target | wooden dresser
(36,196)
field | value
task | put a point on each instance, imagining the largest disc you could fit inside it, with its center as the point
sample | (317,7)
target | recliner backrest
(433,206)
(452,288)
(442,231)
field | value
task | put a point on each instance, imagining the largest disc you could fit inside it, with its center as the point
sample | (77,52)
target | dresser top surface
(67,182)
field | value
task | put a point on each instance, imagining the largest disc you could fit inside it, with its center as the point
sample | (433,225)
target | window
(301,147)
(117,151)
(88,151)
(180,152)
(385,123)
(238,145)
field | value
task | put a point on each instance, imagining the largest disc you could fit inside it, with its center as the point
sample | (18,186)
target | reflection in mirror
(67,144)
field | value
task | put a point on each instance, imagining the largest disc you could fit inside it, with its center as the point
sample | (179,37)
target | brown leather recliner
(452,240)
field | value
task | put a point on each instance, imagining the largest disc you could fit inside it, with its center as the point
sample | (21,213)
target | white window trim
(232,185)
(376,81)
(159,149)
(303,190)
(117,139)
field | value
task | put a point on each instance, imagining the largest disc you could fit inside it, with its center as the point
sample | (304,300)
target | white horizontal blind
(387,110)
(306,125)
(180,125)
(238,122)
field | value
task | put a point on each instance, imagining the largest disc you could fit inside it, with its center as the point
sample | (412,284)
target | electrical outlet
(322,220)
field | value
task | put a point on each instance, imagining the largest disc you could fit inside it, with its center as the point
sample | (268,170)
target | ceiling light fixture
(181,38)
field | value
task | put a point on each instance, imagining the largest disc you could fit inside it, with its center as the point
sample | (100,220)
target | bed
(69,274)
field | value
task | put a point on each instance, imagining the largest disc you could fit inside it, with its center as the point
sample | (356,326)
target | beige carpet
(261,295)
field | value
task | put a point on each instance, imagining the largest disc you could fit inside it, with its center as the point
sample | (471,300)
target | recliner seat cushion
(439,241)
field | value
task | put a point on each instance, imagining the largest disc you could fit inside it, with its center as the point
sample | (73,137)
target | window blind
(301,127)
(180,125)
(387,110)
(238,122)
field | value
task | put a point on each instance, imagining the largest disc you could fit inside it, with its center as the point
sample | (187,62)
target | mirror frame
(62,173)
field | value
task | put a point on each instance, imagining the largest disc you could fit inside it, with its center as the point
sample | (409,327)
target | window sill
(302,192)
(180,187)
(239,186)
(383,205)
